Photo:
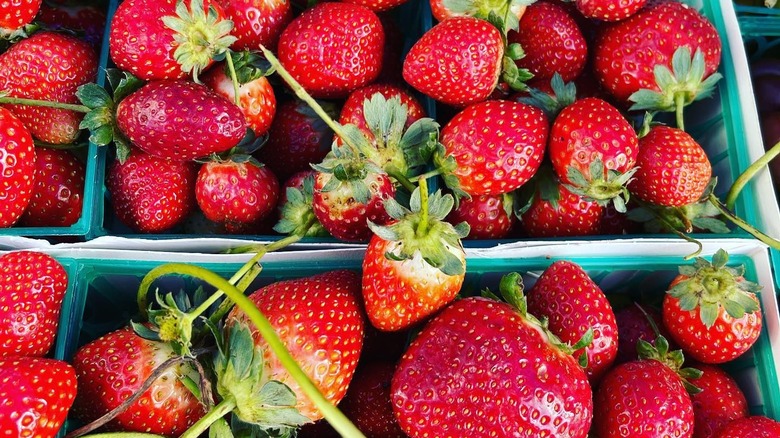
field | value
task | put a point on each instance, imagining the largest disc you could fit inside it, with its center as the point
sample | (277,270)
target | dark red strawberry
(609,10)
(48,66)
(257,22)
(435,65)
(89,21)
(16,14)
(333,48)
(488,216)
(180,120)
(36,395)
(32,288)
(633,325)
(17,169)
(444,9)
(754,427)
(295,206)
(151,194)
(256,97)
(392,58)
(719,402)
(554,211)
(378,5)
(58,192)
(353,109)
(367,402)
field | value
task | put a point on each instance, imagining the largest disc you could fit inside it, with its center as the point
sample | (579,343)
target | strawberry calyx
(511,74)
(708,286)
(564,94)
(544,183)
(297,216)
(505,12)
(601,185)
(659,351)
(347,168)
(683,84)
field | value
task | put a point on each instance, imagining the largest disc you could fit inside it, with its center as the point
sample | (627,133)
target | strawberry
(719,402)
(17,14)
(236,191)
(167,39)
(151,194)
(180,120)
(17,168)
(32,288)
(378,5)
(673,169)
(333,48)
(48,66)
(712,311)
(557,295)
(436,66)
(36,395)
(320,321)
(352,112)
(108,375)
(485,368)
(497,146)
(257,22)
(367,402)
(637,322)
(488,216)
(609,10)
(415,265)
(755,426)
(552,42)
(296,210)
(58,192)
(88,20)
(444,9)
(256,97)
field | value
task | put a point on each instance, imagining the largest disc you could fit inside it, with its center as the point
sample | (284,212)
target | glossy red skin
(333,48)
(48,66)
(367,402)
(139,41)
(108,375)
(35,396)
(89,19)
(150,194)
(720,402)
(673,170)
(32,288)
(486,216)
(552,42)
(754,427)
(319,319)
(626,52)
(435,64)
(442,12)
(343,216)
(609,10)
(58,192)
(591,129)
(236,193)
(573,303)
(256,98)
(378,5)
(727,339)
(257,22)
(352,110)
(16,14)
(498,145)
(642,398)
(180,120)
(480,369)
(400,294)
(574,216)
(632,326)
(17,168)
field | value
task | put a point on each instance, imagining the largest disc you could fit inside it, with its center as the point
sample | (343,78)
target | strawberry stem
(402,179)
(772,242)
(426,175)
(223,408)
(124,435)
(422,227)
(748,174)
(679,106)
(44,103)
(233,78)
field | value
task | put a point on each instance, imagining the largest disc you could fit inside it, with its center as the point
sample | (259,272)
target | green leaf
(220,429)
(361,191)
(415,203)
(241,349)
(720,259)
(102,136)
(734,309)
(511,288)
(708,313)
(384,232)
(94,96)
(144,331)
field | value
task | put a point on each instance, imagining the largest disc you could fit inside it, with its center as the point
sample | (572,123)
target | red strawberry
(633,325)
(17,168)
(437,67)
(180,120)
(378,5)
(754,427)
(481,368)
(257,22)
(48,66)
(563,214)
(58,192)
(444,9)
(333,48)
(712,311)
(353,109)
(256,97)
(673,169)
(367,402)
(88,20)
(719,402)
(609,10)
(497,146)
(558,296)
(32,287)
(108,375)
(552,42)
(236,191)
(151,194)
(320,321)
(16,14)
(488,216)
(35,396)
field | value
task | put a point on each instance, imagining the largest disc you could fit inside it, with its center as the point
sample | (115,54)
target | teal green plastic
(72,268)
(758,20)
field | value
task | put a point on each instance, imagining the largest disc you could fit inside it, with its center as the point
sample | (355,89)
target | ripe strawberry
(673,169)
(16,14)
(609,10)
(554,211)
(378,5)
(352,112)
(89,21)
(497,146)
(320,321)
(444,9)
(295,206)
(754,427)
(488,216)
(180,120)
(712,311)
(58,192)
(48,66)
(367,402)
(557,296)
(151,194)
(552,42)
(719,402)
(108,375)
(236,191)
(256,97)
(633,325)
(17,168)
(478,358)
(333,48)
(257,22)
(435,64)
(32,287)
(36,395)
